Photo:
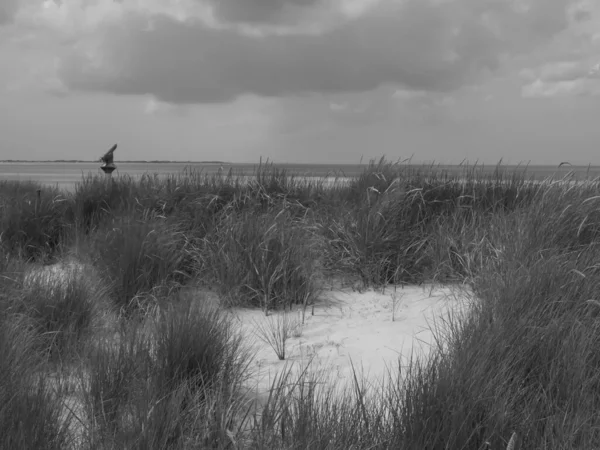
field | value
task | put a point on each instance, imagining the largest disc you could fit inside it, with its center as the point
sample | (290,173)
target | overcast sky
(301,80)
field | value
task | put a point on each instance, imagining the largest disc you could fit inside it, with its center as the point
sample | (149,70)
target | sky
(304,81)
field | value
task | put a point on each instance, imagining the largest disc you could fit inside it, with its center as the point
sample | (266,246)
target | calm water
(65,175)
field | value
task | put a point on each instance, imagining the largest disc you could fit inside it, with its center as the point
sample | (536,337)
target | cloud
(317,115)
(262,11)
(214,51)
(427,108)
(583,11)
(155,107)
(561,71)
(8,10)
(563,78)
(571,66)
(577,87)
(582,15)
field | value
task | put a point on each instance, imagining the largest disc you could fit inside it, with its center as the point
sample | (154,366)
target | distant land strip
(121,161)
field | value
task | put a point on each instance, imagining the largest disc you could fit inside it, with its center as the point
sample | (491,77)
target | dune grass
(264,260)
(164,369)
(168,383)
(30,407)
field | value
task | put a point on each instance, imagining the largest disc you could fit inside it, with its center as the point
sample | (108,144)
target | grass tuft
(262,260)
(141,262)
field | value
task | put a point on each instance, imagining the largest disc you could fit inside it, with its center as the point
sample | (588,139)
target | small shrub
(275,330)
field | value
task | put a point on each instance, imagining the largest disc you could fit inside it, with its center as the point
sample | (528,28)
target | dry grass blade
(512,443)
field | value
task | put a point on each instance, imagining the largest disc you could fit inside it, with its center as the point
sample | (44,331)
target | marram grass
(163,369)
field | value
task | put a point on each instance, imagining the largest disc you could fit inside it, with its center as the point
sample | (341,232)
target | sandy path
(351,326)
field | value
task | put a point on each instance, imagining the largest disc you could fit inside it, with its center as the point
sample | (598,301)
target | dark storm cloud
(260,11)
(421,45)
(8,9)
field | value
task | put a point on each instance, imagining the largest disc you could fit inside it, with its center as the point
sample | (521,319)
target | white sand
(365,329)
(357,327)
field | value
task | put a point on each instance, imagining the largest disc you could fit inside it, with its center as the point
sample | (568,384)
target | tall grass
(61,307)
(403,225)
(141,261)
(523,362)
(195,341)
(31,415)
(174,383)
(264,260)
(31,226)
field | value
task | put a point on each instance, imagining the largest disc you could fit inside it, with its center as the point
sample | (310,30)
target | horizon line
(153,161)
(229,163)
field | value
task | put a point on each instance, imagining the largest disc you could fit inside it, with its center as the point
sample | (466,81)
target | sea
(65,175)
